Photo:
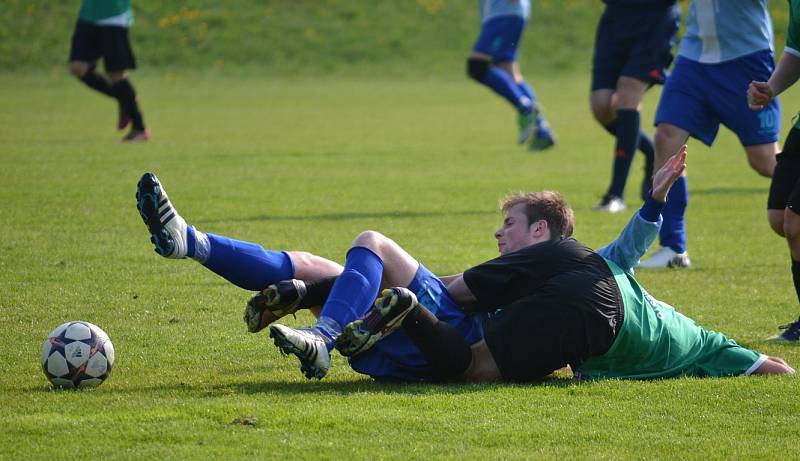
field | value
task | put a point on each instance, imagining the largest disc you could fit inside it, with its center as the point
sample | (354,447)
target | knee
(477,68)
(603,113)
(776,222)
(78,69)
(372,240)
(117,77)
(764,166)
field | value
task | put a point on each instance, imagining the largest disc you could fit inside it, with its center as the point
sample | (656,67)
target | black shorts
(784,191)
(634,42)
(91,42)
(564,323)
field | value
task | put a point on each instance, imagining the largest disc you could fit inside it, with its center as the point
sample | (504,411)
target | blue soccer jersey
(493,8)
(718,31)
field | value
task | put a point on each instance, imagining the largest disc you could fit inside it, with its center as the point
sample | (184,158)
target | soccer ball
(77,354)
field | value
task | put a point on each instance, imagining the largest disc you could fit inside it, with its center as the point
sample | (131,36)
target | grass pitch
(306,164)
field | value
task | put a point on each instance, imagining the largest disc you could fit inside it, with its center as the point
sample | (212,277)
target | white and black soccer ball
(77,354)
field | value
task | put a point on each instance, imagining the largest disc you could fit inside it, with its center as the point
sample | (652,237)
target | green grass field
(301,145)
(306,165)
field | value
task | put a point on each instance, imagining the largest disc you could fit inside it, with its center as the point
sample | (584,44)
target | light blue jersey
(632,243)
(721,30)
(493,8)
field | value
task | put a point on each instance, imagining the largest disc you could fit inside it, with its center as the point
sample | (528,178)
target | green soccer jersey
(110,12)
(656,341)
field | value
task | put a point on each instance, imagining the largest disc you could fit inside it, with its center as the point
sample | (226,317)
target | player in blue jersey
(102,32)
(784,194)
(633,49)
(493,62)
(727,45)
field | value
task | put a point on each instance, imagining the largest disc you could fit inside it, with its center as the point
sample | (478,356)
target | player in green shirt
(102,32)
(783,204)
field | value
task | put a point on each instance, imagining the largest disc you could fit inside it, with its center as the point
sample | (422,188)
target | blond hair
(546,205)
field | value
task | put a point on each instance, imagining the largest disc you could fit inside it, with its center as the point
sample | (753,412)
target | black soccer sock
(627,141)
(97,82)
(440,343)
(126,95)
(317,292)
(646,145)
(796,277)
(648,149)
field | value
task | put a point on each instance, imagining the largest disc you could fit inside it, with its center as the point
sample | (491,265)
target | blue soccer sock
(353,293)
(246,265)
(627,139)
(673,231)
(503,84)
(527,90)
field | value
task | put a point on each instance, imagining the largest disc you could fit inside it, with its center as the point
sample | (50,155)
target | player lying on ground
(783,204)
(375,262)
(563,305)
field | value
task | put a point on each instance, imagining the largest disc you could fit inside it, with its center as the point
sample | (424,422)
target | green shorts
(656,341)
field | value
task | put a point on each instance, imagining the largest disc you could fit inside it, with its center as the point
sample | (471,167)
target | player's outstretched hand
(759,94)
(666,176)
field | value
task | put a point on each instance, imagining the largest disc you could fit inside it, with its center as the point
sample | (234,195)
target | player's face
(515,233)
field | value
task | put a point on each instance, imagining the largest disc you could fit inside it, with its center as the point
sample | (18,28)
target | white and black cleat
(167,228)
(307,344)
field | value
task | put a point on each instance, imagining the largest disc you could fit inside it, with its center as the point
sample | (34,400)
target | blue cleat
(543,137)
(790,334)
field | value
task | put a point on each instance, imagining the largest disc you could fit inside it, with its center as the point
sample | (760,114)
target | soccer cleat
(385,316)
(167,228)
(307,344)
(611,204)
(666,257)
(790,334)
(123,119)
(527,126)
(137,136)
(543,137)
(273,302)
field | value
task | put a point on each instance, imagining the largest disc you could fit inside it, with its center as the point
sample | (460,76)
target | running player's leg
(497,43)
(783,207)
(83,55)
(119,58)
(683,110)
(632,52)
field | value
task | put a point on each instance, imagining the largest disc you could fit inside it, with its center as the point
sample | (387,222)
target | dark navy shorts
(91,42)
(698,97)
(500,38)
(634,42)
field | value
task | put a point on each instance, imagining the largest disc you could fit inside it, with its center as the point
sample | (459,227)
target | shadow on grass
(339,387)
(350,216)
(730,191)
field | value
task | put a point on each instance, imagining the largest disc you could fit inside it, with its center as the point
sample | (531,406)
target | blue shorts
(634,42)
(395,357)
(698,97)
(500,38)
